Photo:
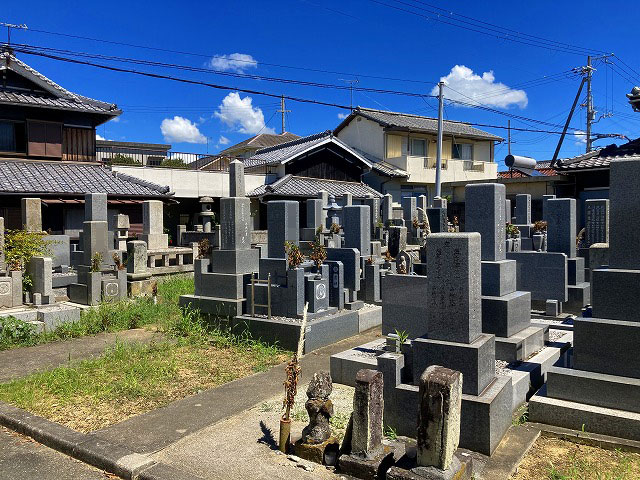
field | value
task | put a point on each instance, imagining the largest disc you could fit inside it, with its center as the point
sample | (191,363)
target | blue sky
(359,38)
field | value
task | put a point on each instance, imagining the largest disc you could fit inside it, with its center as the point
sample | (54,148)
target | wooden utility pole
(590,111)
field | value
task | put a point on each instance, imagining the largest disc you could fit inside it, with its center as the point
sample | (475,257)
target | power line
(287,97)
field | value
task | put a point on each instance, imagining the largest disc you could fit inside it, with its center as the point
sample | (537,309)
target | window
(45,139)
(462,151)
(394,146)
(12,137)
(418,147)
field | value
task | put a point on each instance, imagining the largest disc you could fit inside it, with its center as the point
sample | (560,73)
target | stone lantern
(206,213)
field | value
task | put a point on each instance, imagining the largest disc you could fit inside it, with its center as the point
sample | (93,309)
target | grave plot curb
(88,448)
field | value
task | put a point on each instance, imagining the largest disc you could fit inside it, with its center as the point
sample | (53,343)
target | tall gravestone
(561,238)
(409,211)
(597,221)
(523,209)
(374,206)
(221,276)
(314,213)
(545,198)
(153,225)
(357,228)
(387,209)
(601,392)
(282,226)
(454,340)
(506,312)
(31,214)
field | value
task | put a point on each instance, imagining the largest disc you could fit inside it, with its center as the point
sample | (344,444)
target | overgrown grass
(107,317)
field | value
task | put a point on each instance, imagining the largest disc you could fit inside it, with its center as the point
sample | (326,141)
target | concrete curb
(88,448)
(587,438)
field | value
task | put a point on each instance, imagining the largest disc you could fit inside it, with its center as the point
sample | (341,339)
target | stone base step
(584,417)
(520,346)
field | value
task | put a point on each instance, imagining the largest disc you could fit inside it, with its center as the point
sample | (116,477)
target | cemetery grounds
(189,356)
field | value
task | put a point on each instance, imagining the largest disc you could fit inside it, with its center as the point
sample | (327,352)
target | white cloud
(469,87)
(223,140)
(99,137)
(240,114)
(181,129)
(580,137)
(342,116)
(115,119)
(236,62)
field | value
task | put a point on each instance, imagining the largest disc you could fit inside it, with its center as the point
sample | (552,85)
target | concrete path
(155,430)
(20,362)
(22,458)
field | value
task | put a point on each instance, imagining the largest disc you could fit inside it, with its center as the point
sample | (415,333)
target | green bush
(120,159)
(20,246)
(16,332)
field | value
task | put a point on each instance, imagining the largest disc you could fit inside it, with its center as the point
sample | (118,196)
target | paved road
(24,459)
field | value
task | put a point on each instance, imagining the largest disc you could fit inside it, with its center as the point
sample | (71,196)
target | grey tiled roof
(294,186)
(57,97)
(262,140)
(417,123)
(71,178)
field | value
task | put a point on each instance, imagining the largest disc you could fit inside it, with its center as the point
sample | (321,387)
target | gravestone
(324,196)
(438,219)
(397,240)
(506,312)
(545,198)
(365,457)
(440,202)
(374,208)
(387,209)
(453,340)
(40,269)
(236,179)
(153,225)
(597,221)
(439,416)
(346,200)
(282,226)
(422,206)
(507,210)
(314,213)
(336,284)
(404,308)
(561,226)
(357,228)
(600,392)
(523,209)
(95,207)
(409,211)
(31,214)
(122,232)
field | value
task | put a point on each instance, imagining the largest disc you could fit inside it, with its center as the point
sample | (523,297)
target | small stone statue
(319,408)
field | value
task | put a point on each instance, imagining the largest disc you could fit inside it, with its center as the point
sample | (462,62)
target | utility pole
(590,112)
(509,137)
(439,145)
(9,27)
(351,82)
(283,111)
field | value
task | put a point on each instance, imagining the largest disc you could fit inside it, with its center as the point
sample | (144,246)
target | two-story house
(48,151)
(405,144)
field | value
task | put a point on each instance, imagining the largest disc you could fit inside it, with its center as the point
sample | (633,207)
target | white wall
(190,183)
(365,135)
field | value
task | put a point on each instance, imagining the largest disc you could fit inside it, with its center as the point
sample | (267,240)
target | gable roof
(285,152)
(262,140)
(72,179)
(307,187)
(54,96)
(416,123)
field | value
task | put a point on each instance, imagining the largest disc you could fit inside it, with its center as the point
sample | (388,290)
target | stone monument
(153,225)
(506,312)
(600,391)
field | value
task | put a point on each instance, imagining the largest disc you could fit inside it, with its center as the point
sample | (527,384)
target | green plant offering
(318,252)
(20,246)
(295,256)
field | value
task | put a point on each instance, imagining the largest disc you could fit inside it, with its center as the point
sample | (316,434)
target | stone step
(520,346)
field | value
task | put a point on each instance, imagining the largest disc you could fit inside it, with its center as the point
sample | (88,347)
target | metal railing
(162,159)
(473,166)
(256,281)
(430,162)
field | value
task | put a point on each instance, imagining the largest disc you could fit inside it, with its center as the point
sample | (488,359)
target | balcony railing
(162,159)
(472,166)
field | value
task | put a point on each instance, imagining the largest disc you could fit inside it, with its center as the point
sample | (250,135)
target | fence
(162,159)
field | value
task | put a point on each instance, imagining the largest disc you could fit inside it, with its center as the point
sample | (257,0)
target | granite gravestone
(561,226)
(315,216)
(387,209)
(597,221)
(282,226)
(409,211)
(523,209)
(357,228)
(545,198)
(236,179)
(153,225)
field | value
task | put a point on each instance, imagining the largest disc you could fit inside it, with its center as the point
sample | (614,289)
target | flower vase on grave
(538,240)
(509,244)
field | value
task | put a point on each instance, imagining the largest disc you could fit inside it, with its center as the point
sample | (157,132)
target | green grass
(108,317)
(131,378)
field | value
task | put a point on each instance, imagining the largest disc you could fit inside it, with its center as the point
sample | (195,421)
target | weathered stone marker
(365,456)
(236,179)
(439,416)
(316,443)
(31,214)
